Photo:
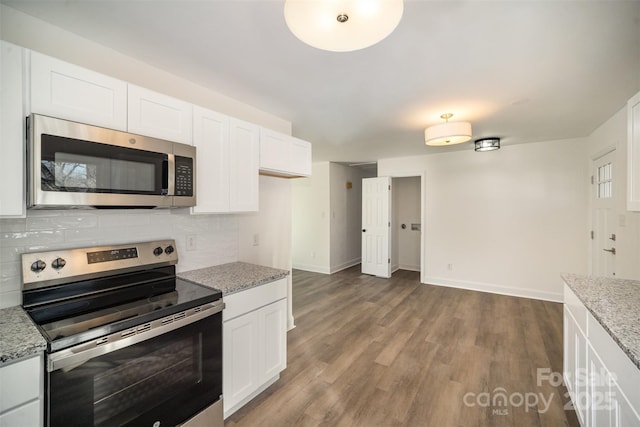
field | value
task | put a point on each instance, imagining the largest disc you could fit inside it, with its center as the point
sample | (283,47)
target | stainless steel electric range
(128,343)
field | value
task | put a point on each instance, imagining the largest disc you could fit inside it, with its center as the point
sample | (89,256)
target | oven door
(73,164)
(161,381)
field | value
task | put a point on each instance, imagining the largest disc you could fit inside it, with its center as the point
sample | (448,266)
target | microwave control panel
(184,176)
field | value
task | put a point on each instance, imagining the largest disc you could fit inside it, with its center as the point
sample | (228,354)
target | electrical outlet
(192,242)
(256,239)
(313,254)
(450,267)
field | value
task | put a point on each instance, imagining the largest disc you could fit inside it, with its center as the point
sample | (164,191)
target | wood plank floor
(374,352)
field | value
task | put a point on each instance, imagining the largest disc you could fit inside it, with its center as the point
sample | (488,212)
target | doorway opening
(406,224)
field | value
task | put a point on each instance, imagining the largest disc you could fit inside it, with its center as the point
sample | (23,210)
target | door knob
(363,230)
(612,250)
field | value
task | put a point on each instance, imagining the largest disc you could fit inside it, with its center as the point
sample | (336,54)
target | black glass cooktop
(86,323)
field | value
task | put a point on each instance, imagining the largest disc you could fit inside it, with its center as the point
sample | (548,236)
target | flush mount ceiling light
(342,25)
(448,133)
(487,144)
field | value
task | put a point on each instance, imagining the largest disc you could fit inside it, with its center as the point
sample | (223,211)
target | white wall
(406,210)
(613,134)
(272,228)
(327,218)
(311,220)
(220,238)
(346,216)
(509,221)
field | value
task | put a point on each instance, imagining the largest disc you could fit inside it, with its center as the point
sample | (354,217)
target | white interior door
(603,238)
(376,226)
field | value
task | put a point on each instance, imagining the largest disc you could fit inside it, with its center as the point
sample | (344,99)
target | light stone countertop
(19,336)
(615,304)
(233,277)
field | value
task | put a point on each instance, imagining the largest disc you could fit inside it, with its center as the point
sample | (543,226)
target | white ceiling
(524,71)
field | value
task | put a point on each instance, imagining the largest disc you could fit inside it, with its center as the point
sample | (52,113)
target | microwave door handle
(171,175)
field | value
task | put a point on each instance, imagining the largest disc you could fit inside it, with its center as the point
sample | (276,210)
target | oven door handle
(75,356)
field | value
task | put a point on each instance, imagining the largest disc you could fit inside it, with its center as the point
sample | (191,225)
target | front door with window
(603,243)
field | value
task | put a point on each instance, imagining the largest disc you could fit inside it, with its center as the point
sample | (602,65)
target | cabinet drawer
(24,416)
(245,301)
(19,382)
(576,308)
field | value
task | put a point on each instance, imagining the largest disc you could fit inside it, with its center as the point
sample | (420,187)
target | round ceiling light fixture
(487,144)
(342,25)
(447,133)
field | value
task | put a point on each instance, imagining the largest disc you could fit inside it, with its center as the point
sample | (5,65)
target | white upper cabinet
(160,116)
(211,138)
(227,169)
(12,131)
(284,155)
(300,157)
(633,153)
(244,161)
(66,91)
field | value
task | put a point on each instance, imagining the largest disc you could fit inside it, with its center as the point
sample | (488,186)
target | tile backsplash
(216,237)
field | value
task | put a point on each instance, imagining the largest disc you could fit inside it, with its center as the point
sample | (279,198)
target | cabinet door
(240,359)
(600,405)
(63,90)
(633,153)
(12,131)
(161,116)
(575,369)
(20,382)
(275,153)
(244,158)
(623,414)
(284,155)
(273,334)
(211,138)
(300,157)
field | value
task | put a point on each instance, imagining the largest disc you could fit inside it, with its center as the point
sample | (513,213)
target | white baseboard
(495,289)
(345,265)
(312,268)
(409,267)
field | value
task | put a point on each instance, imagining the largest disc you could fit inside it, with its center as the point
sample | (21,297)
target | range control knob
(169,250)
(157,251)
(58,263)
(38,266)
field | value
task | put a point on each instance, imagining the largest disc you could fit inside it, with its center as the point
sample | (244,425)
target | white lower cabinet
(602,381)
(254,342)
(575,363)
(21,393)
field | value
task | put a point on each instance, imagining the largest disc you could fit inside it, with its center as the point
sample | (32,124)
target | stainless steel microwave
(72,165)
